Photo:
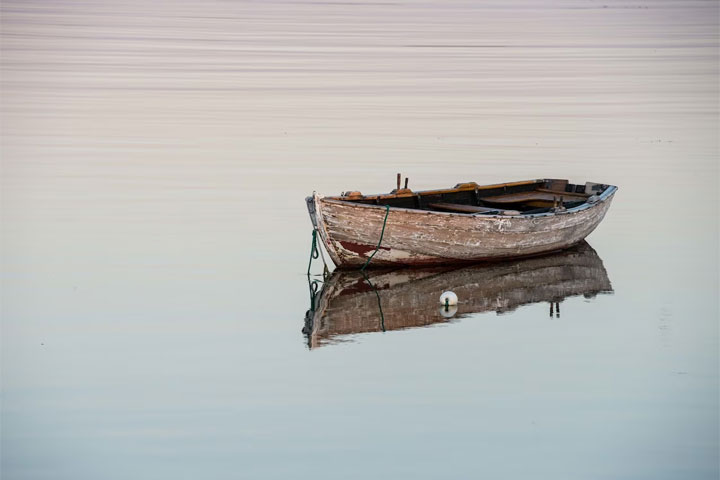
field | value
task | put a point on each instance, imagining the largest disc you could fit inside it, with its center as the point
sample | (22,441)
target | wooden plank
(557,184)
(456,207)
(565,194)
(463,187)
(534,196)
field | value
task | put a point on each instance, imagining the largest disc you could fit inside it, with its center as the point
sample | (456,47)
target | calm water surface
(155,160)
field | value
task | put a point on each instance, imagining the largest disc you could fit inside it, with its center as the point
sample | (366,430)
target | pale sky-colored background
(155,158)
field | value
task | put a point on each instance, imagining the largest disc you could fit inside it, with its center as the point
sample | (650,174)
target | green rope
(387,212)
(314,253)
(377,294)
(314,287)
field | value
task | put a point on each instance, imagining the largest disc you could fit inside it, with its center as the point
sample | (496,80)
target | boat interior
(517,198)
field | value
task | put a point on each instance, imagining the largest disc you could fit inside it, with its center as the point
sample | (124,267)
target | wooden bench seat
(533,196)
(569,194)
(456,207)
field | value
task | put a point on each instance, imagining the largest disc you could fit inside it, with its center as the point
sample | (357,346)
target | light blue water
(155,160)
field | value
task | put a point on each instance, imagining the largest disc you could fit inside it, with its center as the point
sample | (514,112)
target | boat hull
(351,232)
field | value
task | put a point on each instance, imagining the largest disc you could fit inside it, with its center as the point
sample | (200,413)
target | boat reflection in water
(352,302)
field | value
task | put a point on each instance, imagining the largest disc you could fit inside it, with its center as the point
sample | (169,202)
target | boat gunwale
(460,187)
(604,196)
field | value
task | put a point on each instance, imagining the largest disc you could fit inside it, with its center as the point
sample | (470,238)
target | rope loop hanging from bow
(315,252)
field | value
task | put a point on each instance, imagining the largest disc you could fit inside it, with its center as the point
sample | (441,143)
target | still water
(157,322)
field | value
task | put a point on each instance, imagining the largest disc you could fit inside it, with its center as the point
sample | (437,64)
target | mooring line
(315,252)
(382,233)
(382,316)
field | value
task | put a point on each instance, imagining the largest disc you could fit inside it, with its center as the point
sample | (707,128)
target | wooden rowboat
(466,223)
(351,302)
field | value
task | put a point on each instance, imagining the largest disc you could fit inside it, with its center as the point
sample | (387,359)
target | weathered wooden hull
(408,298)
(350,233)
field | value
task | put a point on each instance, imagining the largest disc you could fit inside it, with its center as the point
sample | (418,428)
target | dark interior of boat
(518,198)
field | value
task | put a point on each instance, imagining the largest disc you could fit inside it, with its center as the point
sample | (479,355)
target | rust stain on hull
(362,250)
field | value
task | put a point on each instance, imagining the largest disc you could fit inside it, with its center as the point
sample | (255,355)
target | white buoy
(448,298)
